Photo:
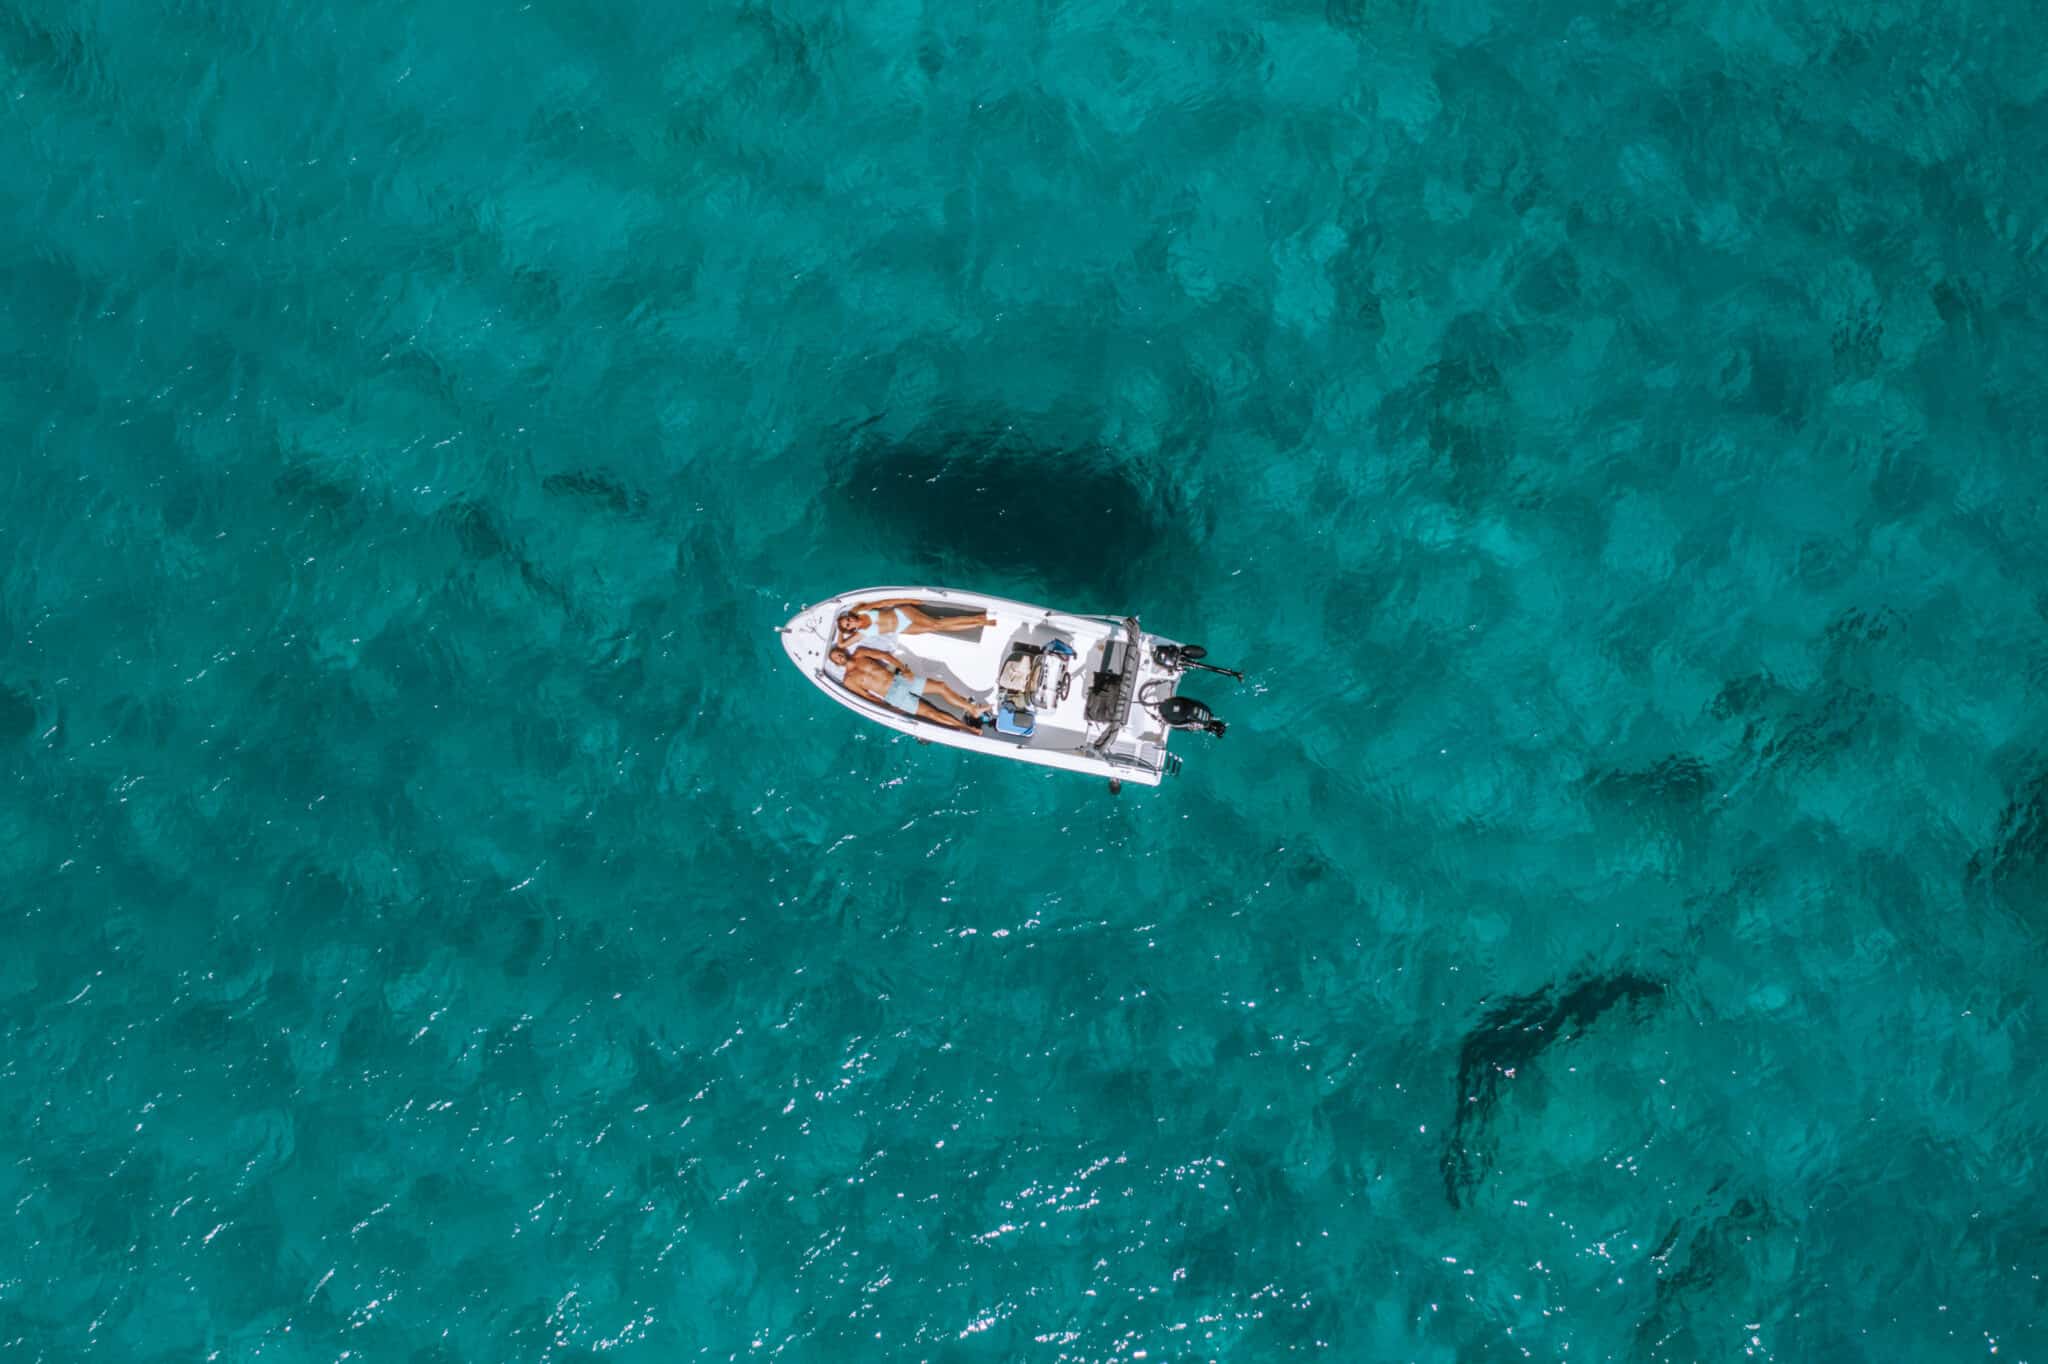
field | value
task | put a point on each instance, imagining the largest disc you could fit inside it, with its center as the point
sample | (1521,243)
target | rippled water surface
(442,927)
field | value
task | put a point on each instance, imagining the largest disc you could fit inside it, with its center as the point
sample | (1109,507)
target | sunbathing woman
(876,622)
(879,677)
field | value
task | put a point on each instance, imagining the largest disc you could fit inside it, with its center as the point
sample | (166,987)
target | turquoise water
(442,926)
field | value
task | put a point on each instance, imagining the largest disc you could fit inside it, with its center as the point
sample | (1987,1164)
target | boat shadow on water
(1078,524)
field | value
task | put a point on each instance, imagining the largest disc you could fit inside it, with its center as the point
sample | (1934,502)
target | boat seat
(1021,671)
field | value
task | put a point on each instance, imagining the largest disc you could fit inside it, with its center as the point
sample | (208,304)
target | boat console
(1034,677)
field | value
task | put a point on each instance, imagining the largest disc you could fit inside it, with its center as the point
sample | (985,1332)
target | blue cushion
(1009,722)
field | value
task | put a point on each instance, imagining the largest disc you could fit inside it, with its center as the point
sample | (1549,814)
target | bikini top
(874,630)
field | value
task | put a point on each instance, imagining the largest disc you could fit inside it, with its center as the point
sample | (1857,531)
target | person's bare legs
(927,711)
(945,693)
(921,622)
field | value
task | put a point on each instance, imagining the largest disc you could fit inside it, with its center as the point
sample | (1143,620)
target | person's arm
(878,656)
(892,601)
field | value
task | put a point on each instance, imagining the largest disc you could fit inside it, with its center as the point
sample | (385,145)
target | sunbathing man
(879,677)
(873,622)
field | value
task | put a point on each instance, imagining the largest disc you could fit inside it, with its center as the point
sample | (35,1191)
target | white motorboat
(1082,693)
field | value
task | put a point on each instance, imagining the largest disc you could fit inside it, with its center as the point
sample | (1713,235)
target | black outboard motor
(1185,712)
(1180,657)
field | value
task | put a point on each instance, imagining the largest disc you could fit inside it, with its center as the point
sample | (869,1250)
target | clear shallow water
(442,927)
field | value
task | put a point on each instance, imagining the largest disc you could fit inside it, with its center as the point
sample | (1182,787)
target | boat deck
(971,662)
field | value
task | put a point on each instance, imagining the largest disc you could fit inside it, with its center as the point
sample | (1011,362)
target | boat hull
(1128,747)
